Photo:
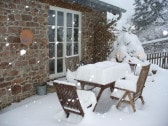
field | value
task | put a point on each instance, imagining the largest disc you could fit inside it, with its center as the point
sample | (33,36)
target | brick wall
(20,74)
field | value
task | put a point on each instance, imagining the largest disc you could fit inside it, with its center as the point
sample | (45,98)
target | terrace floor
(46,110)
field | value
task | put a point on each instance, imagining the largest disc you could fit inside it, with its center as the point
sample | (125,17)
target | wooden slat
(159,58)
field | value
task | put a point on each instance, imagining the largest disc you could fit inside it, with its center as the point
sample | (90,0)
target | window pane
(69,20)
(69,34)
(60,18)
(76,48)
(60,50)
(51,66)
(51,50)
(51,34)
(60,34)
(51,17)
(60,65)
(76,35)
(76,20)
(69,49)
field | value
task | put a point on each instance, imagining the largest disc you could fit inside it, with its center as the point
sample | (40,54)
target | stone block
(3,18)
(11,17)
(27,87)
(32,61)
(4,65)
(26,17)
(1,80)
(17,81)
(16,89)
(15,30)
(2,92)
(13,73)
(5,84)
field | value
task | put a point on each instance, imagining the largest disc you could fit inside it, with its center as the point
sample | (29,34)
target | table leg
(112,86)
(101,91)
(98,97)
(82,86)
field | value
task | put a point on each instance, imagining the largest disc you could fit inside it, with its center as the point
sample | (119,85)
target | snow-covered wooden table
(102,75)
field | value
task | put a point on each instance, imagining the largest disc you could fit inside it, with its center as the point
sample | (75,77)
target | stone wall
(19,74)
(91,48)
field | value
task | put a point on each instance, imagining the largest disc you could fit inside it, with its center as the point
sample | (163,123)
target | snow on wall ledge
(157,45)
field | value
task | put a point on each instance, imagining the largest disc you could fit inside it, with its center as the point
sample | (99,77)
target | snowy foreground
(46,111)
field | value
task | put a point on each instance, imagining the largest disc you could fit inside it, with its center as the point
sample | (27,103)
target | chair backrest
(67,95)
(72,63)
(141,80)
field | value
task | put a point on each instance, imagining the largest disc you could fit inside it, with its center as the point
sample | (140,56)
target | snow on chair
(129,90)
(72,63)
(73,100)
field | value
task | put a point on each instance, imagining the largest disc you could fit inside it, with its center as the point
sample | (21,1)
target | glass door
(64,38)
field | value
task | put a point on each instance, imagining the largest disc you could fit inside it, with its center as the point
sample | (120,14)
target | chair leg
(67,114)
(142,99)
(131,102)
(120,100)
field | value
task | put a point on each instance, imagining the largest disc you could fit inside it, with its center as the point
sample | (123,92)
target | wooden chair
(70,100)
(129,90)
(72,63)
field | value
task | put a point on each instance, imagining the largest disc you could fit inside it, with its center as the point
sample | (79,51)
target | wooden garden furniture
(129,90)
(102,75)
(73,100)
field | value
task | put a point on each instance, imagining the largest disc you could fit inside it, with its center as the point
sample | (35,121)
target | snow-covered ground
(46,110)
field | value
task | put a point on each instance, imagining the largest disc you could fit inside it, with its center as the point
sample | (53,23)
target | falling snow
(46,110)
